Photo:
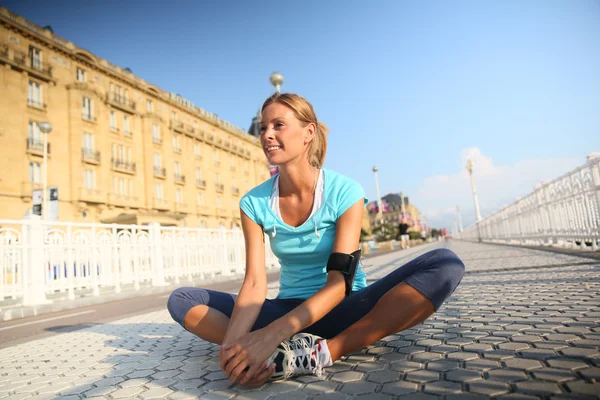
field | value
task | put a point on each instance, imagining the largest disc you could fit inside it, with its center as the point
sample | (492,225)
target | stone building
(121,149)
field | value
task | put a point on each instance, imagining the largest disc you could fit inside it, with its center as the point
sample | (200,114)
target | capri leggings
(435,274)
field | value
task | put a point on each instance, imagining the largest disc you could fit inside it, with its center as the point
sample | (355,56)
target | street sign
(36,197)
(53,204)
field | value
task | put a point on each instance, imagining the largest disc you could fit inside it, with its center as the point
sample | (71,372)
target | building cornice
(85,57)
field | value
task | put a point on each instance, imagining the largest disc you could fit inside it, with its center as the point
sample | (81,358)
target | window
(35,172)
(200,199)
(217,178)
(35,55)
(35,94)
(81,75)
(155,133)
(89,179)
(113,121)
(174,116)
(121,153)
(157,160)
(176,146)
(88,143)
(126,125)
(122,186)
(158,190)
(218,202)
(215,156)
(149,105)
(198,175)
(35,136)
(197,150)
(178,196)
(177,168)
(88,108)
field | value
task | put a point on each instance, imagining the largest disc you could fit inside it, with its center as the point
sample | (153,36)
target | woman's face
(283,138)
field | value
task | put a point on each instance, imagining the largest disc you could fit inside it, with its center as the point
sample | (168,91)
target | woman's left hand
(249,351)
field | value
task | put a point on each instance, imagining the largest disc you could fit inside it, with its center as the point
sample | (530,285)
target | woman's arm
(253,293)
(321,303)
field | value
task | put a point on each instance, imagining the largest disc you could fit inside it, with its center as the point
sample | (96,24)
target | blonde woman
(324,308)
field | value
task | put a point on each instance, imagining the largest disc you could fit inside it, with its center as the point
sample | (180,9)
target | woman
(324,308)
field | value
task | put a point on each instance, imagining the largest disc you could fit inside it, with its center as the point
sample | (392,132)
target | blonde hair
(305,113)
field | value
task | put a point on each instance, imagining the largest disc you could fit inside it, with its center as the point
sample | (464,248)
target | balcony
(217,163)
(222,212)
(235,191)
(122,200)
(219,187)
(90,156)
(203,210)
(160,173)
(177,149)
(88,117)
(201,183)
(177,126)
(27,188)
(198,157)
(121,102)
(36,147)
(88,195)
(123,166)
(160,204)
(127,133)
(36,104)
(179,179)
(181,207)
(157,141)
(115,129)
(19,61)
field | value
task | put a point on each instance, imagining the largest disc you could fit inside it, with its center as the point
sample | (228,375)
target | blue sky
(413,87)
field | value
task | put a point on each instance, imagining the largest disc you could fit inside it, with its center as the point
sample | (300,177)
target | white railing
(39,258)
(563,213)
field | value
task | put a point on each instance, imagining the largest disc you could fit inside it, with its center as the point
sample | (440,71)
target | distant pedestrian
(403,231)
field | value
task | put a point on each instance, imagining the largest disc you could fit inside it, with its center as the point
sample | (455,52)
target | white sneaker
(301,354)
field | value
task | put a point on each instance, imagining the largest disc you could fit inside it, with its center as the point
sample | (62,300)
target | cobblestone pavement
(523,324)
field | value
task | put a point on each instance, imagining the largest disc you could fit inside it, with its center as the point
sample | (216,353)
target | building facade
(121,150)
(393,212)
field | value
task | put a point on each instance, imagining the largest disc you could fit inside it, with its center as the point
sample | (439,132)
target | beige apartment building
(121,150)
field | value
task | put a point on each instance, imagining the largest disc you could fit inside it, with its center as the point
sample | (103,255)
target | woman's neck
(297,180)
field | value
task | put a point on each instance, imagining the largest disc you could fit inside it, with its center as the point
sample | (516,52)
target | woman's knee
(182,300)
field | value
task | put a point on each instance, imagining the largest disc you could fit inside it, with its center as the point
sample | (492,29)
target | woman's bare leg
(400,308)
(206,323)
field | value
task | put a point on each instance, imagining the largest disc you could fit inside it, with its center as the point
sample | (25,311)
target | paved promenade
(523,324)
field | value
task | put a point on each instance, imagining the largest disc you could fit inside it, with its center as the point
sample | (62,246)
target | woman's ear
(309,133)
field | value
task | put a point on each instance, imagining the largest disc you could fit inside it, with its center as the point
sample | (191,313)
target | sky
(413,87)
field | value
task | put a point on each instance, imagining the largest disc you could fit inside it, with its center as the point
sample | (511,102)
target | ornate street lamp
(379,205)
(276,80)
(470,165)
(45,128)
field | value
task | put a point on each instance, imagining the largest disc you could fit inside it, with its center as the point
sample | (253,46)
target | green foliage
(414,235)
(384,232)
(363,235)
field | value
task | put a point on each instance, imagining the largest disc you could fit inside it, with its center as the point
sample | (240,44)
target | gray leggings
(435,274)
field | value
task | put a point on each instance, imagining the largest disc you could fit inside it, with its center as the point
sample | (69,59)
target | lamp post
(470,166)
(276,80)
(45,128)
(460,225)
(379,205)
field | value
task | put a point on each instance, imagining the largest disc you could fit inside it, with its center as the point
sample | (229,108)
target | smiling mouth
(271,149)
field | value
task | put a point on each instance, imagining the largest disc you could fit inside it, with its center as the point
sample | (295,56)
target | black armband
(347,264)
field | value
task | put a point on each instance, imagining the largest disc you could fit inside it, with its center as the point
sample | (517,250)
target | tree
(384,232)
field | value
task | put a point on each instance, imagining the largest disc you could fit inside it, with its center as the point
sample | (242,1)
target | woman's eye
(278,125)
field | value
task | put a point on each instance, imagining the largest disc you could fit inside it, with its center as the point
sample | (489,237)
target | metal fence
(38,257)
(564,212)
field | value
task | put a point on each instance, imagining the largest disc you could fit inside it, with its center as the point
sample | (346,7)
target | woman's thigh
(182,300)
(434,274)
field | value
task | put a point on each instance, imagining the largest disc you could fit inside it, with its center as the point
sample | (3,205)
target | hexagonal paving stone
(463,375)
(523,363)
(482,365)
(507,375)
(462,356)
(399,343)
(517,396)
(537,388)
(553,374)
(513,346)
(156,393)
(320,387)
(127,393)
(374,396)
(347,376)
(422,376)
(424,357)
(282,387)
(419,396)
(581,387)
(406,366)
(580,352)
(330,396)
(442,365)
(380,350)
(442,387)
(488,388)
(411,350)
(567,363)
(550,345)
(526,338)
(399,388)
(590,373)
(539,354)
(465,396)
(478,347)
(355,388)
(288,396)
(428,342)
(445,349)
(383,376)
(561,337)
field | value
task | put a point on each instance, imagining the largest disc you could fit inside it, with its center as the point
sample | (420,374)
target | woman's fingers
(238,371)
(228,354)
(253,371)
(260,380)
